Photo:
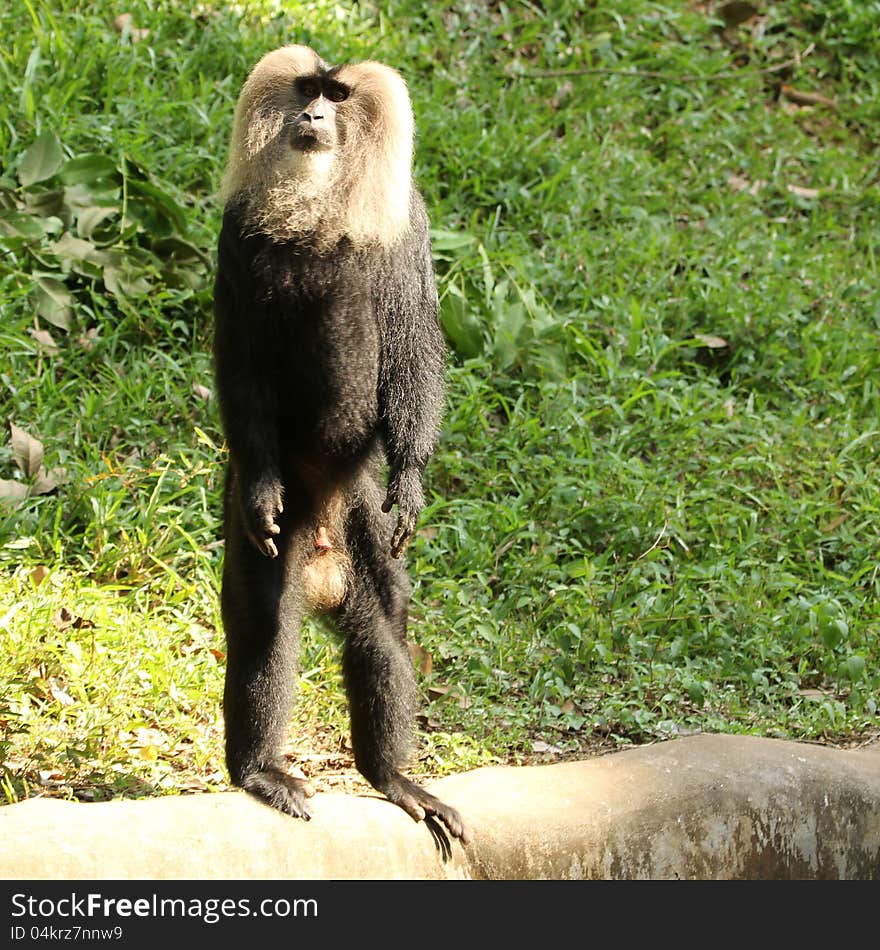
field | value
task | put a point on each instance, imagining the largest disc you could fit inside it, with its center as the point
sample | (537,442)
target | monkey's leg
(261,617)
(379,677)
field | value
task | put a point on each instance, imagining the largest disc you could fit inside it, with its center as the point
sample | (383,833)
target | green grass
(654,509)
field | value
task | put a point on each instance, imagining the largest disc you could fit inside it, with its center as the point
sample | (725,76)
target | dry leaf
(713,342)
(421,658)
(803,192)
(124,23)
(47,482)
(816,694)
(11,490)
(87,340)
(45,341)
(834,524)
(202,392)
(39,574)
(48,777)
(27,452)
(801,98)
(59,693)
(738,183)
(64,619)
(539,746)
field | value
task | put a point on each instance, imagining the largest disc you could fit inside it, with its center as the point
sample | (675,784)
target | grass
(654,509)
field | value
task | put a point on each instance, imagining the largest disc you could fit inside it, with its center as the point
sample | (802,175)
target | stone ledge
(707,806)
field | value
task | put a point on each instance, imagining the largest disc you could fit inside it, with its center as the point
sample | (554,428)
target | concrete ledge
(700,807)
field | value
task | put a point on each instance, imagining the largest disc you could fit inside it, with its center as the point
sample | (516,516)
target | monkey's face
(317,124)
(322,150)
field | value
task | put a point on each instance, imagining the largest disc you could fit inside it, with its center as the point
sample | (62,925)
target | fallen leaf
(48,777)
(202,392)
(191,785)
(124,24)
(87,339)
(802,98)
(27,452)
(738,183)
(63,618)
(713,342)
(149,738)
(39,574)
(421,658)
(834,524)
(46,482)
(539,746)
(45,341)
(11,490)
(59,693)
(803,192)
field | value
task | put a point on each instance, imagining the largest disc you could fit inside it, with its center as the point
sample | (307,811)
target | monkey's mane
(360,191)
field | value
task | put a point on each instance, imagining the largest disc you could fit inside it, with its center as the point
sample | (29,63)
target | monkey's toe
(281,791)
(419,804)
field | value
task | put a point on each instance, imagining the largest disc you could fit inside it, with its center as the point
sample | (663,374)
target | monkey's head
(321,152)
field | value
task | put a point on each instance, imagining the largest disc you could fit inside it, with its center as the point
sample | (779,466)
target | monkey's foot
(419,805)
(280,790)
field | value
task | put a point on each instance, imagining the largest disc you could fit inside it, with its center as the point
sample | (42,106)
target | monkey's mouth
(306,138)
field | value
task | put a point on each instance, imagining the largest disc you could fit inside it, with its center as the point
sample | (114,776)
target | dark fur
(327,365)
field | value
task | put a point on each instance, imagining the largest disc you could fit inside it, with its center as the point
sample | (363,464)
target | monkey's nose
(314,111)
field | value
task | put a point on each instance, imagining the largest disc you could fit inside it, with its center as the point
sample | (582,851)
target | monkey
(329,364)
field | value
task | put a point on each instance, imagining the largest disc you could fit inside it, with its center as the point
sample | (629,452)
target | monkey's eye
(310,88)
(336,92)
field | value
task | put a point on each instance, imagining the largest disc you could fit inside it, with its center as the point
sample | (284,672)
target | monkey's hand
(261,503)
(405,491)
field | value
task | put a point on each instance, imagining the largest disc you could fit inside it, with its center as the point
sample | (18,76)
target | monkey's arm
(411,390)
(248,406)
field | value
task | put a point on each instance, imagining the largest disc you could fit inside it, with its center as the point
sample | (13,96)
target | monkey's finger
(272,528)
(269,548)
(401,537)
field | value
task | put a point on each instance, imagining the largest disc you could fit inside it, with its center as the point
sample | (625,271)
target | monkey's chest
(328,368)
